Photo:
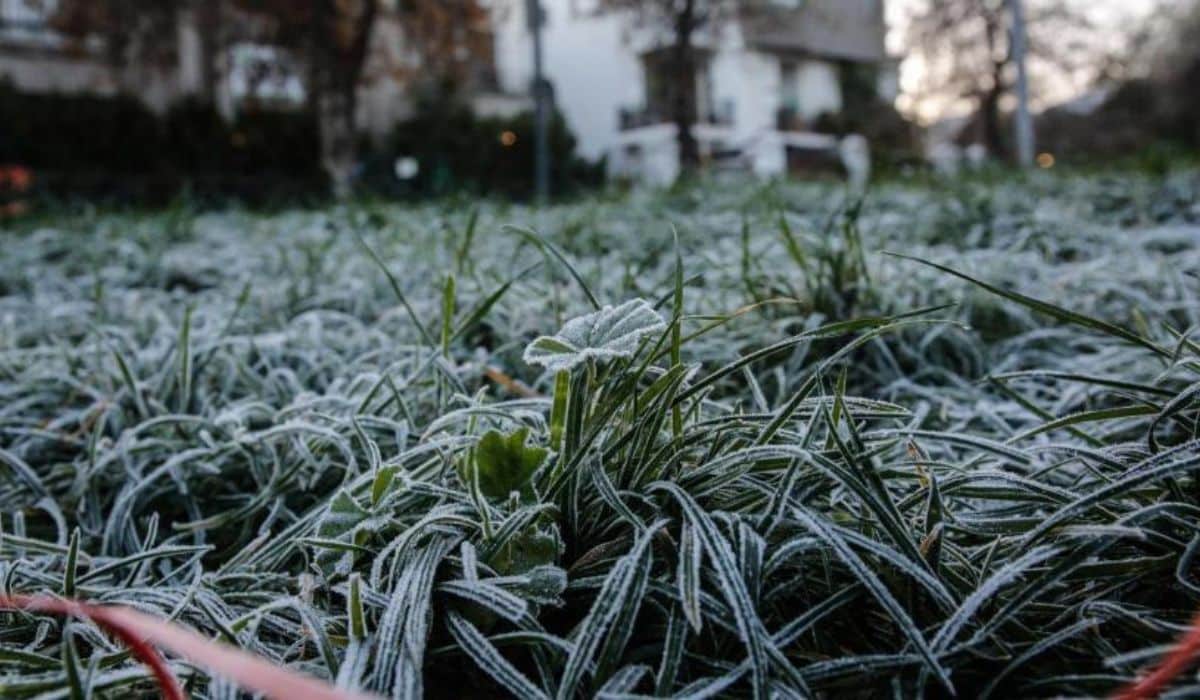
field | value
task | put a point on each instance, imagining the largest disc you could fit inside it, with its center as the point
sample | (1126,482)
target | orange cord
(1175,663)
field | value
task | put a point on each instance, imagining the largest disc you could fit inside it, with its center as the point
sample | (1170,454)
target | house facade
(38,59)
(764,82)
(35,58)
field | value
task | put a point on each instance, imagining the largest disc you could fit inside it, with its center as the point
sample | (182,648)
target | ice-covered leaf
(536,547)
(344,521)
(543,583)
(613,331)
(344,515)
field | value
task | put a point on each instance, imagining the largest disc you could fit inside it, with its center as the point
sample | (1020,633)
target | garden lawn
(712,441)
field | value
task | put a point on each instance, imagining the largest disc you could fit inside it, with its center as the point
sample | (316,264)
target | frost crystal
(609,332)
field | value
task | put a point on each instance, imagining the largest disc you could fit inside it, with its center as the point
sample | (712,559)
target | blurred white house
(36,58)
(763,80)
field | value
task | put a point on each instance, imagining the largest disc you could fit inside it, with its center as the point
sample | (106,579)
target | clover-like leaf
(543,583)
(613,331)
(345,521)
(533,549)
(506,464)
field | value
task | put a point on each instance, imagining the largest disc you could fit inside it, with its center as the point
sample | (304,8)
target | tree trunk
(683,102)
(993,133)
(335,122)
(989,106)
(209,19)
(338,53)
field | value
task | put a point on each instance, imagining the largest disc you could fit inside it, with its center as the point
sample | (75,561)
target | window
(27,14)
(789,90)
(788,116)
(261,74)
(27,20)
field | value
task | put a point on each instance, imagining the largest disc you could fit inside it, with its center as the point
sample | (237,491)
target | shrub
(894,140)
(115,148)
(459,151)
(57,132)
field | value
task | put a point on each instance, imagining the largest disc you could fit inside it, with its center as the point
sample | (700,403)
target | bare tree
(968,51)
(335,38)
(684,20)
(452,42)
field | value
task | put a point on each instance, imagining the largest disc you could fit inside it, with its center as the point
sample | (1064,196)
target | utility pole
(541,97)
(1024,121)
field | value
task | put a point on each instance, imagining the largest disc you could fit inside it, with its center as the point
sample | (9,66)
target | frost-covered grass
(367,444)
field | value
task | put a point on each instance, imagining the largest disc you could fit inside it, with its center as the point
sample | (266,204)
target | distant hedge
(116,148)
(459,151)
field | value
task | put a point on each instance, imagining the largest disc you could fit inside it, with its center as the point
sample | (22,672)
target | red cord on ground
(167,683)
(143,634)
(1175,663)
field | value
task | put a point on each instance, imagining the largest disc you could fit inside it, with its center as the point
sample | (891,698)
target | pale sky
(924,103)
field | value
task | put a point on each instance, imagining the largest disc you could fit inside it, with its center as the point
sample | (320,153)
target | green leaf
(558,411)
(528,550)
(1103,414)
(357,626)
(342,522)
(70,571)
(382,485)
(448,308)
(184,351)
(70,661)
(505,464)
